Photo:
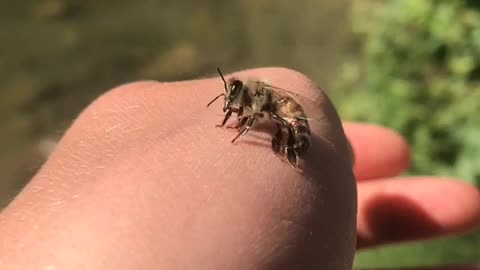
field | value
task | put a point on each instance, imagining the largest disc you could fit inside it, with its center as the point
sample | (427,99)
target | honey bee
(254,99)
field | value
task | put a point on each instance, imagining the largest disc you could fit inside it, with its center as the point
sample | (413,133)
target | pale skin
(144,180)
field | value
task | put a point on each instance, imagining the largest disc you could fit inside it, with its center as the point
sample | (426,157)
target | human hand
(144,180)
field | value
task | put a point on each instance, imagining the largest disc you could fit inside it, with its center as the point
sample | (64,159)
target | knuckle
(292,74)
(121,95)
(111,104)
(124,92)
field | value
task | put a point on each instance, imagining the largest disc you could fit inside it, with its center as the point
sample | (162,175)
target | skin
(144,180)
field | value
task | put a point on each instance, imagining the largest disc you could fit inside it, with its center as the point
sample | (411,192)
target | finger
(143,178)
(379,152)
(415,208)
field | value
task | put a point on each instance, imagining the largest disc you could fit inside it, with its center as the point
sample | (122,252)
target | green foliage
(438,252)
(420,74)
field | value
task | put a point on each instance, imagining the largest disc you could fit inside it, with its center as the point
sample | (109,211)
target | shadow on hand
(392,218)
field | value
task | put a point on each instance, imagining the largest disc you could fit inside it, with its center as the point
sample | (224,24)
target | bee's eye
(236,86)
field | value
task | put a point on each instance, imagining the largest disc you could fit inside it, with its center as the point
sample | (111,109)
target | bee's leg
(250,122)
(277,141)
(240,119)
(279,120)
(290,152)
(227,116)
(241,123)
(291,148)
(240,113)
(288,146)
(300,146)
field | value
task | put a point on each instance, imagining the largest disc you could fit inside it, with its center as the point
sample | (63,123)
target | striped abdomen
(301,135)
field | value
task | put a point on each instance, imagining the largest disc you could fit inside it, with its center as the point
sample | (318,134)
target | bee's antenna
(210,103)
(223,79)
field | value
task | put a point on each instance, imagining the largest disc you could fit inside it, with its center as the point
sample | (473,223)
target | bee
(251,100)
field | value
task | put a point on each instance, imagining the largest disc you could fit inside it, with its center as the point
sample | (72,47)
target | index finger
(379,152)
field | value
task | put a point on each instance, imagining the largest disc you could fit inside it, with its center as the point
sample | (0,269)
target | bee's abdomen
(302,136)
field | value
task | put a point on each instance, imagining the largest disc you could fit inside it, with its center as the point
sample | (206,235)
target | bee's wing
(308,105)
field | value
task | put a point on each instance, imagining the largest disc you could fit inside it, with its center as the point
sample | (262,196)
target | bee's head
(233,90)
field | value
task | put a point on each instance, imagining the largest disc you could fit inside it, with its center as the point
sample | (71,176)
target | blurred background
(417,62)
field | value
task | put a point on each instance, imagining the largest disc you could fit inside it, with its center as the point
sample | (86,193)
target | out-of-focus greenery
(433,253)
(420,74)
